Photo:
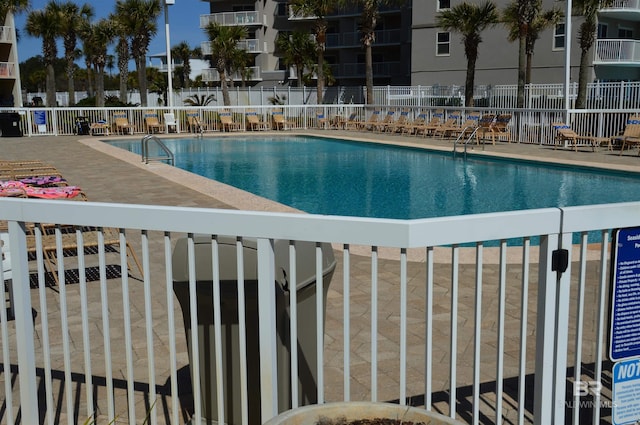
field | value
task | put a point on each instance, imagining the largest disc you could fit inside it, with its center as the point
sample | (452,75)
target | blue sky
(184,25)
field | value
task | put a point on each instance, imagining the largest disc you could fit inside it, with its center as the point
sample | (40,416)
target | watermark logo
(589,390)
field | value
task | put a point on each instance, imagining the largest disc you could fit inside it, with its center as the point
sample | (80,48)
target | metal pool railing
(419,312)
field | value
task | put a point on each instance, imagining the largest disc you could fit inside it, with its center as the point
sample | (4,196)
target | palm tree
(96,39)
(318,9)
(200,100)
(224,44)
(138,18)
(183,53)
(525,22)
(298,50)
(45,23)
(13,6)
(370,14)
(72,17)
(586,38)
(469,20)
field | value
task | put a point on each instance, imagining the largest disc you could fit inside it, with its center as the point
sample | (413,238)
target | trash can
(306,303)
(82,126)
(10,124)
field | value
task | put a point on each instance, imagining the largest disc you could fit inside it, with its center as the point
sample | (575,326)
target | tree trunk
(529,67)
(226,100)
(71,83)
(89,79)
(368,63)
(100,86)
(469,81)
(141,68)
(583,77)
(51,87)
(123,68)
(320,84)
(522,49)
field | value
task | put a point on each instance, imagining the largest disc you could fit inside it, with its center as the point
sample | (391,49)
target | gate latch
(560,260)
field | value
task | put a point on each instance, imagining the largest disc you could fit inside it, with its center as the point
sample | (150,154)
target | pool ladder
(466,141)
(144,144)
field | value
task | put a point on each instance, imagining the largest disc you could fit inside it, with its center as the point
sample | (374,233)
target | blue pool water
(327,176)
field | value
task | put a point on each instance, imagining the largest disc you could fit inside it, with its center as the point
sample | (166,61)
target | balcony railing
(212,75)
(251,45)
(623,9)
(7,70)
(232,18)
(352,39)
(6,34)
(623,52)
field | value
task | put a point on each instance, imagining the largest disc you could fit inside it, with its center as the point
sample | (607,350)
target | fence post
(267,330)
(24,324)
(552,330)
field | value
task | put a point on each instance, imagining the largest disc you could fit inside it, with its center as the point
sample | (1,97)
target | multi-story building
(411,49)
(265,19)
(10,91)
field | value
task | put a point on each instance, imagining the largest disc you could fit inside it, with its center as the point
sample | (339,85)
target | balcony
(617,52)
(212,75)
(357,70)
(352,39)
(6,35)
(7,70)
(248,18)
(251,45)
(623,9)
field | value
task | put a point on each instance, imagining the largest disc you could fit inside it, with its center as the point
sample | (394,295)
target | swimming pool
(335,177)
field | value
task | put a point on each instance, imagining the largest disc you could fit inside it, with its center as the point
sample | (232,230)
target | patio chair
(565,136)
(151,122)
(194,124)
(279,121)
(351,123)
(121,123)
(410,127)
(631,135)
(227,122)
(170,123)
(255,123)
(322,121)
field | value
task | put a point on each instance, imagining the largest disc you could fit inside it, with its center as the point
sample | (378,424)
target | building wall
(497,61)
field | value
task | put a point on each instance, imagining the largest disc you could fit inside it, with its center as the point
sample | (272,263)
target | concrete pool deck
(109,174)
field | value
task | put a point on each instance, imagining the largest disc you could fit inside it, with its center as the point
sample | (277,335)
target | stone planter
(343,413)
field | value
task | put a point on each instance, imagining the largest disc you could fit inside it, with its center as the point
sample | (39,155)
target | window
(444,4)
(443,40)
(558,37)
(625,33)
(282,9)
(602,31)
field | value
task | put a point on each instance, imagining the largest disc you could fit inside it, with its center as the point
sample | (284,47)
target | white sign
(626,392)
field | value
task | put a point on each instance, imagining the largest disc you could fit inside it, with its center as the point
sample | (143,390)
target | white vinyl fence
(439,313)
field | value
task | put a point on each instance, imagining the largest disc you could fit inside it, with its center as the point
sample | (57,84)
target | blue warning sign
(625,295)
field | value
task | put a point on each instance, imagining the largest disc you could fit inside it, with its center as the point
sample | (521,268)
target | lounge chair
(631,135)
(449,126)
(322,121)
(170,123)
(388,120)
(467,127)
(351,123)
(280,122)
(485,124)
(100,128)
(399,124)
(567,137)
(194,124)
(151,122)
(255,123)
(410,127)
(227,122)
(368,124)
(430,126)
(121,123)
